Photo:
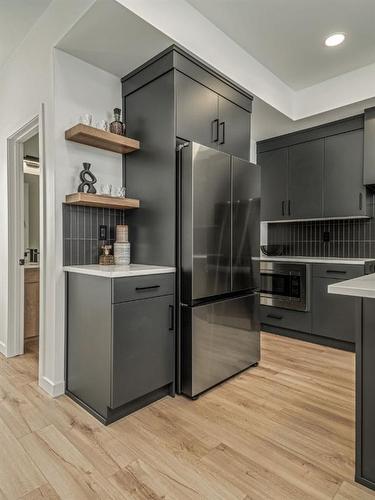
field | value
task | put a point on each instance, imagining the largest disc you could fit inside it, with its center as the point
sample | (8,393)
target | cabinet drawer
(286,318)
(142,287)
(340,271)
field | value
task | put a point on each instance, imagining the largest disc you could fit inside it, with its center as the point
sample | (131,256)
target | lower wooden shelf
(98,200)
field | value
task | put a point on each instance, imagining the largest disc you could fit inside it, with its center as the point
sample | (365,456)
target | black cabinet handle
(335,271)
(360,201)
(140,288)
(171,318)
(274,316)
(288,207)
(222,130)
(215,130)
(283,208)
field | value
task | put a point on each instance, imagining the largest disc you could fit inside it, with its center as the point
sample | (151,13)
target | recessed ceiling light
(335,39)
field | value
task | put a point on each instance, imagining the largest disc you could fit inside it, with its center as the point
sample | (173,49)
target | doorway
(30,259)
(25,240)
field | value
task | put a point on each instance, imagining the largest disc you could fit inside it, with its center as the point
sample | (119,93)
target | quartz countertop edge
(317,260)
(364,287)
(118,271)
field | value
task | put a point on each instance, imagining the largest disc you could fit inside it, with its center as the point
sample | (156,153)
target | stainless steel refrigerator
(218,267)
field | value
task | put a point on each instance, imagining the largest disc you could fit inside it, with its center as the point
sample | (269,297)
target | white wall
(79,88)
(26,81)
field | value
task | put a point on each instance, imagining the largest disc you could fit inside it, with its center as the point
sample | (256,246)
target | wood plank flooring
(283,430)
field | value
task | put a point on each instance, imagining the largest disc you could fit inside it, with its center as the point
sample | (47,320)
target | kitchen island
(364,287)
(120,337)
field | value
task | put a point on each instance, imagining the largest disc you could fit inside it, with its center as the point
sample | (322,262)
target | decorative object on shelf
(117,127)
(88,180)
(86,119)
(106,189)
(122,246)
(106,258)
(103,125)
(122,233)
(119,192)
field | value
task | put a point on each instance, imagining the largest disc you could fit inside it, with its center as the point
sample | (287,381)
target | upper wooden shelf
(101,139)
(98,200)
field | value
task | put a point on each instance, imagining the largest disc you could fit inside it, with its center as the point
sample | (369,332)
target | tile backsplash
(81,244)
(332,238)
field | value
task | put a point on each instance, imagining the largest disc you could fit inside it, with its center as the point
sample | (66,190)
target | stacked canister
(122,246)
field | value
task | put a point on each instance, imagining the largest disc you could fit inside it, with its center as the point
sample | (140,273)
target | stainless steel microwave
(285,284)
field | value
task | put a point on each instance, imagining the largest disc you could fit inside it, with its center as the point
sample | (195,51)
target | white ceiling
(287,36)
(111,37)
(16,18)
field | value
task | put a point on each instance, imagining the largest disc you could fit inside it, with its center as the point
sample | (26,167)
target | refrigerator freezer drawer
(219,340)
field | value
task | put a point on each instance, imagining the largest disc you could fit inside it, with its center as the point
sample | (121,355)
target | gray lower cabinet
(120,342)
(365,402)
(142,348)
(334,316)
(286,318)
(332,320)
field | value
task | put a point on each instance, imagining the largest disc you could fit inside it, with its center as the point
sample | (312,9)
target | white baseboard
(53,389)
(3,349)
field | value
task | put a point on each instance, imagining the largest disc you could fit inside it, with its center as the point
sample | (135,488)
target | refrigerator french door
(217,266)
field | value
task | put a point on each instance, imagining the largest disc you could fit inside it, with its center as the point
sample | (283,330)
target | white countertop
(318,260)
(32,265)
(364,286)
(117,271)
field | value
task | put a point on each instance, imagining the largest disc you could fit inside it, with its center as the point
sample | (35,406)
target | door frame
(15,330)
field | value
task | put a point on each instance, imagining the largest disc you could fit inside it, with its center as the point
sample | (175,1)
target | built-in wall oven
(285,284)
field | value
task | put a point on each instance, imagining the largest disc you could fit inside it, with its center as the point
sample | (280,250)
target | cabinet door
(245,225)
(274,183)
(197,112)
(344,193)
(142,348)
(234,129)
(334,316)
(305,187)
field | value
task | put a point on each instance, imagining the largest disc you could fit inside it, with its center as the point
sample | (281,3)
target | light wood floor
(284,430)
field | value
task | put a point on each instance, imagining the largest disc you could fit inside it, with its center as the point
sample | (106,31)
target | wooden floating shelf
(101,139)
(98,200)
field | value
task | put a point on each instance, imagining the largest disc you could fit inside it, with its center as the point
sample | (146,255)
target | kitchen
(220,362)
(304,247)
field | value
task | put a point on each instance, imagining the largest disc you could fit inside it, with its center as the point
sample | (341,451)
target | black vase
(88,180)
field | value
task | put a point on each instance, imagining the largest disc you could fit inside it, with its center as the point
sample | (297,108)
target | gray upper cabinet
(274,185)
(234,129)
(323,170)
(305,196)
(197,112)
(344,193)
(205,117)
